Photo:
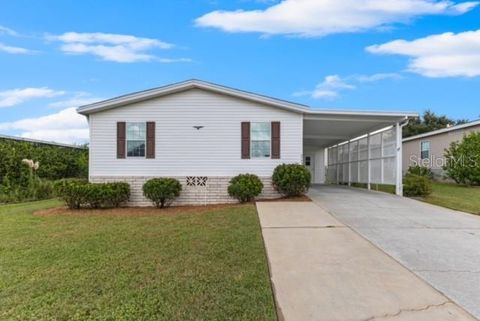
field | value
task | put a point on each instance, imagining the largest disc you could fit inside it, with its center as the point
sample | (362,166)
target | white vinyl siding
(182,150)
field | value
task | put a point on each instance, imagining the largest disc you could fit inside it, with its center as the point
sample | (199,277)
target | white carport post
(398,176)
(369,166)
(349,165)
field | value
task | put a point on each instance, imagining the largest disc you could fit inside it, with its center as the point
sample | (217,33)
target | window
(260,134)
(136,137)
(308,160)
(425,150)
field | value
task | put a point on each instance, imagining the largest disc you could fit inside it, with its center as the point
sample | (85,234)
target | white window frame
(126,139)
(421,149)
(252,140)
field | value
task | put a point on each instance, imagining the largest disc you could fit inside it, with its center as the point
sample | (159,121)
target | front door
(309,163)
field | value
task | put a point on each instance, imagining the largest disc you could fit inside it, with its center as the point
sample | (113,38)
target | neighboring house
(40,142)
(204,134)
(428,149)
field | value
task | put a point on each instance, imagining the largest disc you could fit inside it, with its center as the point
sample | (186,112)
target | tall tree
(428,122)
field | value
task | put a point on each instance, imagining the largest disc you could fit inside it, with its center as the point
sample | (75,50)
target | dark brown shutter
(121,139)
(150,139)
(276,140)
(245,140)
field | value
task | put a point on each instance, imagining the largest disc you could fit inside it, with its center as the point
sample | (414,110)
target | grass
(182,266)
(457,197)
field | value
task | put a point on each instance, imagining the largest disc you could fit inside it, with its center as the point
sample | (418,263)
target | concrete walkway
(322,270)
(441,246)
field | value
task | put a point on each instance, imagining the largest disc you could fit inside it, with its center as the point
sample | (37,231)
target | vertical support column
(398,176)
(337,164)
(358,162)
(369,166)
(349,165)
(382,167)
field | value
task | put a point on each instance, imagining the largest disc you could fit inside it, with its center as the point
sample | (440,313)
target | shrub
(415,185)
(162,191)
(72,191)
(420,171)
(79,193)
(463,160)
(118,193)
(291,179)
(43,189)
(106,195)
(245,187)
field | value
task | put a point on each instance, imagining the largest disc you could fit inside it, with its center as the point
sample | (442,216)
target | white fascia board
(170,89)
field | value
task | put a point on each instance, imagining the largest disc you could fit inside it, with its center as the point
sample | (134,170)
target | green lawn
(187,266)
(462,198)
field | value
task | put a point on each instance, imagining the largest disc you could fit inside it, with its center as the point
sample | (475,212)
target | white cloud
(77,100)
(66,126)
(15,50)
(329,88)
(12,97)
(7,31)
(442,55)
(333,85)
(312,18)
(376,77)
(113,47)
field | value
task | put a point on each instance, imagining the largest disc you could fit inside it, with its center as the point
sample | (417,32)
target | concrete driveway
(323,270)
(441,246)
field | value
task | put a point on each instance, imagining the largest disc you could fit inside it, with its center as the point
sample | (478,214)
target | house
(204,134)
(39,142)
(428,149)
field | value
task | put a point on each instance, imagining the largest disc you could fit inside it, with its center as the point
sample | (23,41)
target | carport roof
(325,128)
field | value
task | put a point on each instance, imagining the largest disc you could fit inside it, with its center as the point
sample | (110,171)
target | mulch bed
(169,211)
(135,211)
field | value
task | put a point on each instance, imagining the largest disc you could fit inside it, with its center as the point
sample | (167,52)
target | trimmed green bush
(79,193)
(245,187)
(291,179)
(420,171)
(162,191)
(415,185)
(71,191)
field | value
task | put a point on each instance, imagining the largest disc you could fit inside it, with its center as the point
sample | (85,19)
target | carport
(354,147)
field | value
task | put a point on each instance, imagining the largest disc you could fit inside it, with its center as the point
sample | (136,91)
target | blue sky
(407,55)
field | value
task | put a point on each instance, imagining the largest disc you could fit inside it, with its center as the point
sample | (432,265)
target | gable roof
(443,130)
(186,85)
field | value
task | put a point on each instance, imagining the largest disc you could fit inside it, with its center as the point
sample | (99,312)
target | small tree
(162,191)
(463,160)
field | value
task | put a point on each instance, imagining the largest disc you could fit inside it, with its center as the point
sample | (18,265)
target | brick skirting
(214,191)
